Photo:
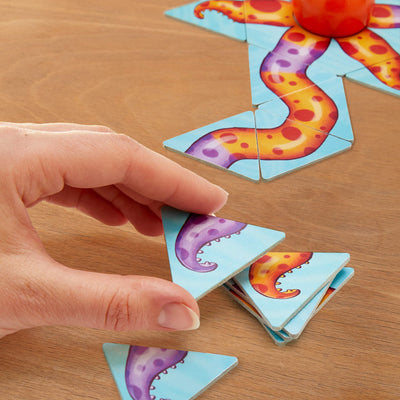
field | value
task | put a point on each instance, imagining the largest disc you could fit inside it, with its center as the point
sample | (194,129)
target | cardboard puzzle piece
(205,251)
(150,373)
(280,284)
(197,14)
(295,326)
(384,76)
(286,146)
(230,144)
(276,74)
(323,108)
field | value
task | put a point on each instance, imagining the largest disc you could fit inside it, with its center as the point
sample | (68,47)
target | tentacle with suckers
(199,231)
(143,366)
(265,273)
(232,9)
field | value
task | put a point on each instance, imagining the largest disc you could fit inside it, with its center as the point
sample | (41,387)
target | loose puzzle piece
(285,146)
(278,299)
(230,144)
(205,251)
(198,14)
(150,373)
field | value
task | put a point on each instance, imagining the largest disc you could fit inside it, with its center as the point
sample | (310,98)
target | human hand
(113,179)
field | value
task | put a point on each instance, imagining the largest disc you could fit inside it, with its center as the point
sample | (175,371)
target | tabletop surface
(125,65)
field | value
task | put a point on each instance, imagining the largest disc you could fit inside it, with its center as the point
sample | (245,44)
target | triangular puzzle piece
(242,299)
(297,324)
(384,76)
(230,144)
(321,107)
(148,373)
(278,299)
(267,21)
(202,14)
(340,280)
(198,266)
(285,145)
(278,73)
(293,329)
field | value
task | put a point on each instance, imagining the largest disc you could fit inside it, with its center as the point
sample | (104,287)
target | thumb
(64,296)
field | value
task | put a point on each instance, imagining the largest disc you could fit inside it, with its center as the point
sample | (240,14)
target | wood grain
(125,65)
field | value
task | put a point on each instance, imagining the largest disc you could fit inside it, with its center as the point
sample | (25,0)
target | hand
(113,179)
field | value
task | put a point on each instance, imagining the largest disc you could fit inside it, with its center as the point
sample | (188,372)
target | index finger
(90,160)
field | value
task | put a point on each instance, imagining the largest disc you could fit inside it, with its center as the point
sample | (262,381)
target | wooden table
(123,64)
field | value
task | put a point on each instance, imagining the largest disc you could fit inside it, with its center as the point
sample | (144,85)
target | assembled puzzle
(296,85)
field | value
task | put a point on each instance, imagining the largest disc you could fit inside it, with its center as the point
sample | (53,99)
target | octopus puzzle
(150,373)
(205,251)
(296,85)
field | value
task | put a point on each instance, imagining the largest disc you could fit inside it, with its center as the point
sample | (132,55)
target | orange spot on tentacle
(385,16)
(271,12)
(367,47)
(310,108)
(376,54)
(388,72)
(266,271)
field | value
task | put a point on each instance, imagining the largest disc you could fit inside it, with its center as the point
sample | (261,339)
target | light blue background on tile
(310,279)
(232,255)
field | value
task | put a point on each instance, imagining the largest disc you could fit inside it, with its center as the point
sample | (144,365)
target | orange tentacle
(272,12)
(265,273)
(385,16)
(376,54)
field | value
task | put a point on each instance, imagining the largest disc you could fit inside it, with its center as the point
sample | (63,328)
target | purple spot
(212,153)
(222,220)
(293,51)
(158,362)
(283,63)
(213,232)
(183,253)
(137,392)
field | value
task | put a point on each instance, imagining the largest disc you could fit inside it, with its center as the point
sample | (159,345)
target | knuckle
(121,313)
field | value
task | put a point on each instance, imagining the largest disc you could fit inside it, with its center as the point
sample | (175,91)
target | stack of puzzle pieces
(283,290)
(301,114)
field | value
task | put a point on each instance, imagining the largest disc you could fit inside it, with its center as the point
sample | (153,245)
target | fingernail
(179,317)
(224,201)
(226,193)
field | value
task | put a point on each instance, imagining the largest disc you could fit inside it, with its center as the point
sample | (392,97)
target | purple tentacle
(199,231)
(143,366)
